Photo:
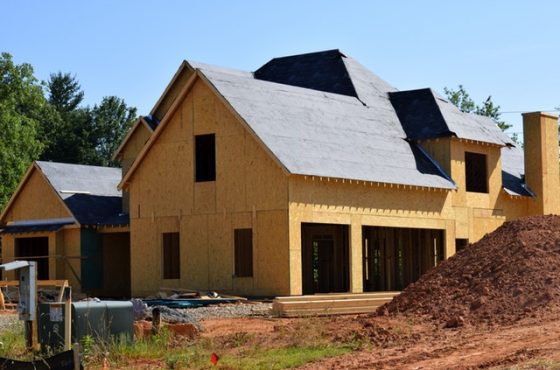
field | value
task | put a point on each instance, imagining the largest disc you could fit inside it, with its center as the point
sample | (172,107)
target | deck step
(328,304)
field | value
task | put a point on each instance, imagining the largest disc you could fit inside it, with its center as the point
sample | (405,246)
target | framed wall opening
(171,246)
(34,249)
(205,158)
(476,173)
(394,257)
(116,265)
(325,258)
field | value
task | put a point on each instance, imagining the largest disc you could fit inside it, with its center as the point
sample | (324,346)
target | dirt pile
(510,274)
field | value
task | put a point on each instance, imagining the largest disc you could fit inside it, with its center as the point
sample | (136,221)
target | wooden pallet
(329,304)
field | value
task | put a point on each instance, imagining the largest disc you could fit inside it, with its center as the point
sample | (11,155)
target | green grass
(237,351)
(282,358)
(196,355)
(13,343)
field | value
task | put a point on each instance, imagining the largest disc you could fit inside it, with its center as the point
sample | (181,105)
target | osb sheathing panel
(36,200)
(357,205)
(541,161)
(133,146)
(439,150)
(72,249)
(494,167)
(250,190)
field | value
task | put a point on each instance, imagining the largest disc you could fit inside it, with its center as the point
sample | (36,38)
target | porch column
(295,257)
(356,262)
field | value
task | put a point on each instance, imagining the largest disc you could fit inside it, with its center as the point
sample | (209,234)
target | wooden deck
(331,303)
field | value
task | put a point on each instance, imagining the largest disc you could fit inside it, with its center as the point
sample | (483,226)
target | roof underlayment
(323,114)
(89,192)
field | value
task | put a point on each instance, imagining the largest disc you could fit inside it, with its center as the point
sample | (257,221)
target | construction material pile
(510,274)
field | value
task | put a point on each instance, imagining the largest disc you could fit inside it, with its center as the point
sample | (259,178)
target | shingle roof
(90,192)
(319,133)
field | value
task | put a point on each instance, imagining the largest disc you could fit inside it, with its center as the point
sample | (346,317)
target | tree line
(47,120)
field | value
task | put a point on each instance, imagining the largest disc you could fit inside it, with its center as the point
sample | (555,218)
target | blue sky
(507,49)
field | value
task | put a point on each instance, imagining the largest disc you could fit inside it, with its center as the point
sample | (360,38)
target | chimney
(540,136)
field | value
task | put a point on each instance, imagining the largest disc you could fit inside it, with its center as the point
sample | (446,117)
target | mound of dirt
(509,274)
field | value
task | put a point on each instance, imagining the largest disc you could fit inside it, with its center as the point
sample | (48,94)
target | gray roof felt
(425,115)
(324,114)
(318,133)
(90,192)
(513,170)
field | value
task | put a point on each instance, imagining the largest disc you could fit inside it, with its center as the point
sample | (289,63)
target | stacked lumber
(331,303)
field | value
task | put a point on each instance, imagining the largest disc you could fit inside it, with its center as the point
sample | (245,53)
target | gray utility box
(101,320)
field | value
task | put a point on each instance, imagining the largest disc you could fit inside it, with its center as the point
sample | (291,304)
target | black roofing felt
(50,225)
(151,121)
(514,185)
(96,209)
(419,114)
(323,71)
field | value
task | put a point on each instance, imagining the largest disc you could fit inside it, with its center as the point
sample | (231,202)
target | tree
(22,106)
(65,92)
(62,133)
(111,119)
(461,99)
(83,135)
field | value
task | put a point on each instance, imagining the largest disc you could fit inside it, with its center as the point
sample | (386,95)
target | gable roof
(88,192)
(324,114)
(147,122)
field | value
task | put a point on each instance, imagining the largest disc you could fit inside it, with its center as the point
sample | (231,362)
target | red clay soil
(510,274)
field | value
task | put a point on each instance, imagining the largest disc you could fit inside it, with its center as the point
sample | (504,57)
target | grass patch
(12,343)
(294,345)
(282,358)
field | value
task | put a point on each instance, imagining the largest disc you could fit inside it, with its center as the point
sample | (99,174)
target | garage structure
(68,218)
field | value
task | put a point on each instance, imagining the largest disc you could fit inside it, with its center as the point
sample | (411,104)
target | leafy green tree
(461,99)
(22,107)
(111,120)
(79,134)
(63,132)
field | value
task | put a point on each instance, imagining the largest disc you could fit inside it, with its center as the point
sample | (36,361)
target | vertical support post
(356,258)
(156,321)
(67,318)
(76,350)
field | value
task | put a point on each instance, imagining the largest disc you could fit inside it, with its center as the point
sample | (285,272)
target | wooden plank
(332,304)
(331,311)
(337,296)
(56,283)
